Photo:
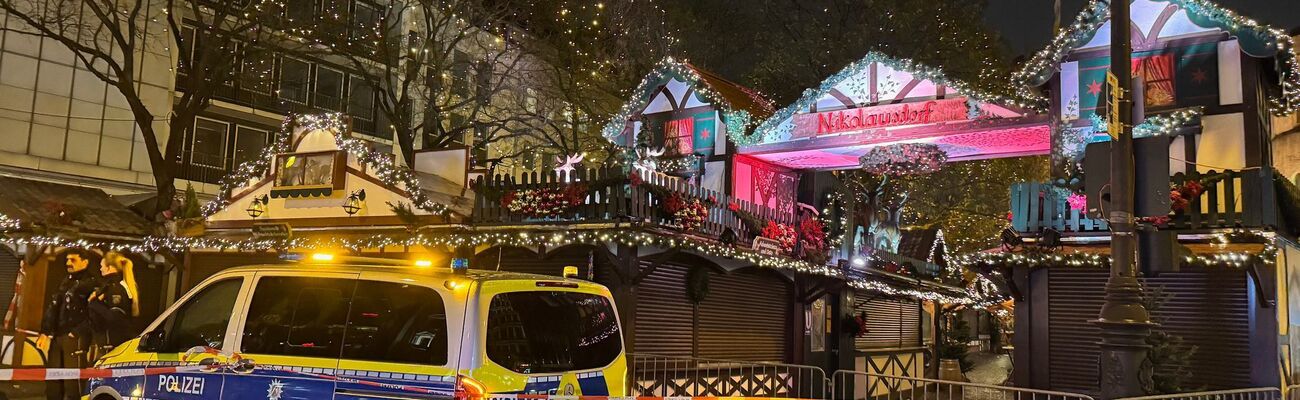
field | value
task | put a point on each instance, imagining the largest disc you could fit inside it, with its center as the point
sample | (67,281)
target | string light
(780,124)
(381,163)
(8,223)
(737,121)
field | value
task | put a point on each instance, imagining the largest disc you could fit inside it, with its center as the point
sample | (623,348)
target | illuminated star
(1199,76)
(1094,88)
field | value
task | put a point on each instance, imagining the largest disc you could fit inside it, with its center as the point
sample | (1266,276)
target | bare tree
(109,39)
(590,60)
(436,68)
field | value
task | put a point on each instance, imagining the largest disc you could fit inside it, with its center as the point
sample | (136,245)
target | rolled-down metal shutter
(514,259)
(1075,298)
(746,316)
(891,323)
(203,265)
(1209,308)
(664,315)
(9,265)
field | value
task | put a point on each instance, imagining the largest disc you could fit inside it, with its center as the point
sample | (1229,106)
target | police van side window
(297,316)
(203,319)
(393,322)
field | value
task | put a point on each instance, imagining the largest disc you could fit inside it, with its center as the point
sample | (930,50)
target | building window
(188,39)
(361,99)
(329,89)
(1157,72)
(334,14)
(258,71)
(460,67)
(366,21)
(294,79)
(300,11)
(209,147)
(249,143)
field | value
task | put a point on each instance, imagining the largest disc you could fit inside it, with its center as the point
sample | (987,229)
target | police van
(334,329)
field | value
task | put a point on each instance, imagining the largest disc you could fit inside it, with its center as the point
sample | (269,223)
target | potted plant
(189,220)
(952,349)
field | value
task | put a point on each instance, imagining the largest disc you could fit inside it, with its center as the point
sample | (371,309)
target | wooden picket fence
(1230,199)
(611,197)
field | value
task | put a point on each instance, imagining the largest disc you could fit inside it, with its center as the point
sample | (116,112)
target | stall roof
(88,209)
(1091,29)
(739,105)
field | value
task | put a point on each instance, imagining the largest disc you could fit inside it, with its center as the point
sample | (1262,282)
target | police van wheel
(106,397)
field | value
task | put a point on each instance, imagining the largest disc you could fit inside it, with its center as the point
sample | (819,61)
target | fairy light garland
(777,126)
(1156,125)
(737,121)
(8,223)
(1043,64)
(384,168)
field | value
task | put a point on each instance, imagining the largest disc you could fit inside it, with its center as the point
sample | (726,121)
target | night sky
(1026,25)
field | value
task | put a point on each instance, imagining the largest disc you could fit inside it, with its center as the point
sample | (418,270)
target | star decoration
(1199,76)
(1094,88)
(704,133)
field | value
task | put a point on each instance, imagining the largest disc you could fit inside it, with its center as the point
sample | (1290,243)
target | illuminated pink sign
(858,119)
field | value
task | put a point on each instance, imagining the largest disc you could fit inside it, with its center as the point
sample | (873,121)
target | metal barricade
(1291,392)
(1263,393)
(856,385)
(667,376)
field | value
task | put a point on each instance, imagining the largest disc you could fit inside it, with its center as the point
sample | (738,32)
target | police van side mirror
(151,341)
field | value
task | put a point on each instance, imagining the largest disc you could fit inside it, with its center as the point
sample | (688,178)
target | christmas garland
(544,202)
(781,233)
(385,169)
(904,159)
(688,212)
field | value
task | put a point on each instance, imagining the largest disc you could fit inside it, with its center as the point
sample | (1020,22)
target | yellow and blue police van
(341,329)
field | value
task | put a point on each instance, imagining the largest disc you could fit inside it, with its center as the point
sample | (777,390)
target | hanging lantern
(355,202)
(257,207)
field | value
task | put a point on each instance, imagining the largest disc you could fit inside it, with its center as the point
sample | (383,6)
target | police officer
(114,304)
(66,329)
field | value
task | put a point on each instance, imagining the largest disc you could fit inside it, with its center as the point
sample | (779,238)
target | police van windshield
(546,332)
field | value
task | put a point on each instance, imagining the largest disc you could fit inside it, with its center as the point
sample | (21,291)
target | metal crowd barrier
(1291,392)
(1263,393)
(856,385)
(669,376)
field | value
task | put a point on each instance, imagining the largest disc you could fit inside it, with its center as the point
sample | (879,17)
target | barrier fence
(1264,393)
(666,376)
(856,385)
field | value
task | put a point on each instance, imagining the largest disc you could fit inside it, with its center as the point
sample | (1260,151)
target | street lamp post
(1124,321)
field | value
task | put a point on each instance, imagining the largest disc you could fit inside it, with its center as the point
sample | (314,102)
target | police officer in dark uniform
(113,305)
(66,325)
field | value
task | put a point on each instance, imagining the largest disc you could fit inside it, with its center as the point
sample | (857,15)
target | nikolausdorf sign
(864,118)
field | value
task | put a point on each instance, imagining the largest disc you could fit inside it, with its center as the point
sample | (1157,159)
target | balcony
(200,168)
(611,197)
(1230,199)
(314,104)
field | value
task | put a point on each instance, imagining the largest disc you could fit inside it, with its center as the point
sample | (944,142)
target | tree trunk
(406,142)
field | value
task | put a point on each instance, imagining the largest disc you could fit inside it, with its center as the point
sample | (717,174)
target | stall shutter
(202,265)
(891,323)
(664,315)
(1208,308)
(9,265)
(514,259)
(746,316)
(1075,298)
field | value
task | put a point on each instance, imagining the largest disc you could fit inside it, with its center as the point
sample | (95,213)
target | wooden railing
(611,196)
(1229,199)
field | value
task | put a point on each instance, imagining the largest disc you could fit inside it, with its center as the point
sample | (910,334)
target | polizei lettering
(864,118)
(180,384)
